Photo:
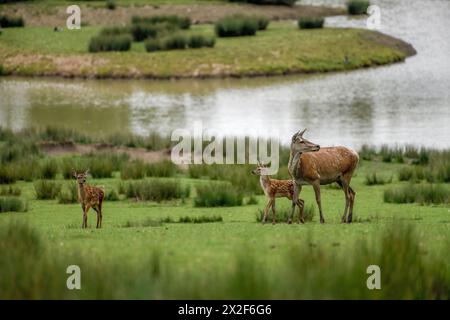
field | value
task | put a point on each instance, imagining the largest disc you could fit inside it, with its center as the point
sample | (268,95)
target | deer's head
(259,169)
(81,176)
(300,144)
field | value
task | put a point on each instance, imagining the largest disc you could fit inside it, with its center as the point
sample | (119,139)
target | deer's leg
(85,216)
(294,201)
(352,201)
(301,207)
(316,186)
(273,211)
(345,188)
(98,214)
(266,210)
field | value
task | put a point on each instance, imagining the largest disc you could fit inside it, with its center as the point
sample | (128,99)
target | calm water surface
(403,103)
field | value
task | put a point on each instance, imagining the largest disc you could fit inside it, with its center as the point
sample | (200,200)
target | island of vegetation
(161,41)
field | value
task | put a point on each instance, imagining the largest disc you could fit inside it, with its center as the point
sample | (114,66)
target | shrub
(263,22)
(236,26)
(405,174)
(110,43)
(310,23)
(13,204)
(357,6)
(424,194)
(217,194)
(199,41)
(7,174)
(374,179)
(165,168)
(252,200)
(69,194)
(133,170)
(46,189)
(11,22)
(156,190)
(112,196)
(269,2)
(110,4)
(115,31)
(49,169)
(175,41)
(152,45)
(2,69)
(390,154)
(10,191)
(174,20)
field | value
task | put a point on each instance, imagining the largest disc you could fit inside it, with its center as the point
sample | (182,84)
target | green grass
(279,49)
(152,258)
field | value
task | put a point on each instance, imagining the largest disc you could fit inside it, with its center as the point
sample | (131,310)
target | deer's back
(328,163)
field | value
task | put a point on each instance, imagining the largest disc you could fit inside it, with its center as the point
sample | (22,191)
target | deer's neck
(81,192)
(265,183)
(294,164)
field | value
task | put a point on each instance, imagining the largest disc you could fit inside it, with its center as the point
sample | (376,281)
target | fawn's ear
(74,173)
(86,172)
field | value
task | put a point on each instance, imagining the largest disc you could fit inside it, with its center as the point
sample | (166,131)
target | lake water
(406,103)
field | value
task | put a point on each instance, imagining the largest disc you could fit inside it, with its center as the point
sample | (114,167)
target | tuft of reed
(46,189)
(355,7)
(69,194)
(373,179)
(236,26)
(423,194)
(311,22)
(282,215)
(100,43)
(217,194)
(10,191)
(11,22)
(155,190)
(13,204)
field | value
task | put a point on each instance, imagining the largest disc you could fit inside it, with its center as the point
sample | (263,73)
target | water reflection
(402,103)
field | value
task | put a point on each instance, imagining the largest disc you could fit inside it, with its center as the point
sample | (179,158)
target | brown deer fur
(310,164)
(273,189)
(89,197)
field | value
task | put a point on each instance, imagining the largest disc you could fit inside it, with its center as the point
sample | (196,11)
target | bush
(201,219)
(405,174)
(310,23)
(424,194)
(7,174)
(252,200)
(173,42)
(269,2)
(374,179)
(152,45)
(69,194)
(174,20)
(46,189)
(199,41)
(263,22)
(115,31)
(49,169)
(357,6)
(110,43)
(163,168)
(217,194)
(133,170)
(12,204)
(155,190)
(110,4)
(11,22)
(10,191)
(112,196)
(236,26)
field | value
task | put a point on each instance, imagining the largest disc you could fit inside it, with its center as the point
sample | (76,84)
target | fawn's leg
(98,214)
(266,210)
(85,216)
(273,211)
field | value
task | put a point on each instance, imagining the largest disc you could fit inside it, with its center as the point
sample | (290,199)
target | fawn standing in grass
(89,196)
(273,189)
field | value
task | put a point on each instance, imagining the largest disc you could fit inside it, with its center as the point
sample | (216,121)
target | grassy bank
(282,49)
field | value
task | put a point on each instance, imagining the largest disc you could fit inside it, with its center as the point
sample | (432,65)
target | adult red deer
(311,164)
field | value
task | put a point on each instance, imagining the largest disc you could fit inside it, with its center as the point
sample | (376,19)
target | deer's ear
(301,133)
(74,173)
(86,172)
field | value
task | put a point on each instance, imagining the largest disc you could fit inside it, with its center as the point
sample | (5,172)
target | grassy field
(279,50)
(134,256)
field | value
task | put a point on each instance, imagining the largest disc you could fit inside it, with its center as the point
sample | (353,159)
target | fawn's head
(300,144)
(81,176)
(259,170)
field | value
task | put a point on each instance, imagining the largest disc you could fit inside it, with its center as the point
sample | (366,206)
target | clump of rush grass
(13,204)
(423,194)
(236,26)
(110,43)
(49,169)
(112,195)
(311,22)
(11,21)
(155,190)
(373,179)
(46,189)
(217,194)
(10,191)
(68,194)
(356,7)
(200,219)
